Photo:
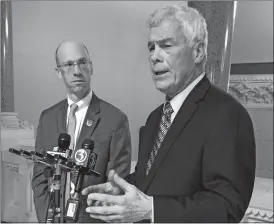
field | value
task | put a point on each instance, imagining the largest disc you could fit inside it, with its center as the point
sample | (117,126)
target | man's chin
(165,88)
(162,87)
(78,90)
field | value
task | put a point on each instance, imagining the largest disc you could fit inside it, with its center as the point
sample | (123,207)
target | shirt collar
(179,99)
(83,102)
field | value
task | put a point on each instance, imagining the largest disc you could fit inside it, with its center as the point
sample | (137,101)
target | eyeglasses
(69,66)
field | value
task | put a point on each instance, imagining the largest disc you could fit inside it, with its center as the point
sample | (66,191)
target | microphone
(35,156)
(55,161)
(58,158)
(64,141)
(63,146)
(60,154)
(85,160)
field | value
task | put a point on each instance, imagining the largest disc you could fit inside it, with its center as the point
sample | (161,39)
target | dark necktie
(165,124)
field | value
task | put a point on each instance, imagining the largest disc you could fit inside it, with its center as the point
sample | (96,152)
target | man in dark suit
(83,115)
(196,158)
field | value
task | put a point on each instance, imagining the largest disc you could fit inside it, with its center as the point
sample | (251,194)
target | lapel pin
(89,123)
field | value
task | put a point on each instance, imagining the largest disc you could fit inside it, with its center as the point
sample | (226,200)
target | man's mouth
(78,81)
(160,72)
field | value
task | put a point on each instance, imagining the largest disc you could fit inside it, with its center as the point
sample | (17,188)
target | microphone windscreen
(64,141)
(88,144)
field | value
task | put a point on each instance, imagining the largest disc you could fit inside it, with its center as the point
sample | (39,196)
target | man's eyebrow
(150,43)
(168,39)
(80,59)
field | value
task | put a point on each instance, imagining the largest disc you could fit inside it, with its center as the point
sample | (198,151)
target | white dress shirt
(80,113)
(176,104)
(179,99)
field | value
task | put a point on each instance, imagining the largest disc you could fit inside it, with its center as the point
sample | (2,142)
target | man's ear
(199,52)
(91,69)
(59,74)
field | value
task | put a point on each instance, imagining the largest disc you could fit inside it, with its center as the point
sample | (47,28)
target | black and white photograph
(136,111)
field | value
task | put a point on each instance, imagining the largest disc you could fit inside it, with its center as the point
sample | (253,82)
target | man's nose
(76,69)
(157,55)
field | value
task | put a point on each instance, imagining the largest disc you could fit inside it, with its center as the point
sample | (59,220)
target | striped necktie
(71,131)
(72,124)
(165,124)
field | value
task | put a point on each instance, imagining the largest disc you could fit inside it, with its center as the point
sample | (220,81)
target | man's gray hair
(192,23)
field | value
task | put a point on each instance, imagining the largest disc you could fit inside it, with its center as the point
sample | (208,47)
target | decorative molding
(12,167)
(258,215)
(252,78)
(26,125)
(261,204)
(15,133)
(10,120)
(252,90)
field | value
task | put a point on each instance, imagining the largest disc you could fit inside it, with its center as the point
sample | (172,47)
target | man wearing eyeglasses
(82,115)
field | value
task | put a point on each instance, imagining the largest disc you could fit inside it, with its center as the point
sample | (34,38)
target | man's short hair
(192,23)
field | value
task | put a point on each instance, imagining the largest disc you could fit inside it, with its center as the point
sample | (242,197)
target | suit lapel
(90,121)
(61,128)
(182,118)
(147,142)
(61,118)
(152,129)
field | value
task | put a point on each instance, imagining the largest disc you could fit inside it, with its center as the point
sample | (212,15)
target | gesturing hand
(106,188)
(132,206)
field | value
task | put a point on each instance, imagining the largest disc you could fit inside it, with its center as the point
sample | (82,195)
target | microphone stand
(56,186)
(63,164)
(59,162)
(74,202)
(49,214)
(48,173)
(84,165)
(59,165)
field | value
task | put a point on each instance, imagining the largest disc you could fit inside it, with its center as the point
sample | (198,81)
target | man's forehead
(72,52)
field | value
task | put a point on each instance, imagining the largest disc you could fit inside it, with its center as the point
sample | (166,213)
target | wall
(253,35)
(115,34)
(253,43)
(255,92)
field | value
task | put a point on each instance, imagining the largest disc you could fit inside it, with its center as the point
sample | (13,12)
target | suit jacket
(111,136)
(205,167)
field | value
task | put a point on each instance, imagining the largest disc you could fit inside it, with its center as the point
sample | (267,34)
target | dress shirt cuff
(152,212)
